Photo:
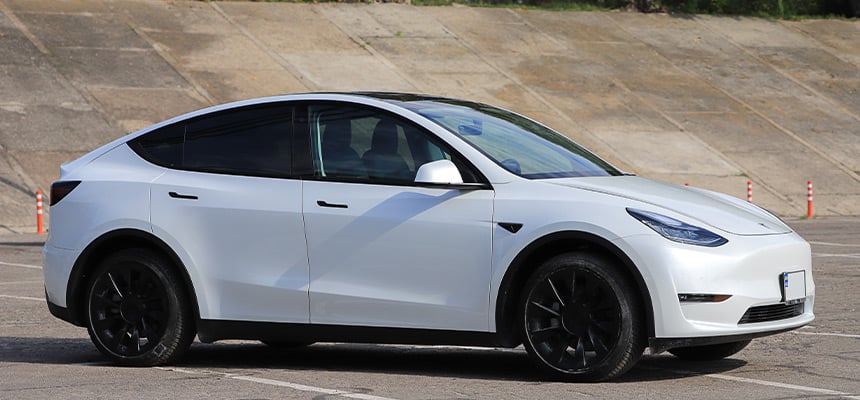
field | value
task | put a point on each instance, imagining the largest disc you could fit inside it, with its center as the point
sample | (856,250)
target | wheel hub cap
(575,319)
(131,310)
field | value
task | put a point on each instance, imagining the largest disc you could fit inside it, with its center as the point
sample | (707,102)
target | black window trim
(302,152)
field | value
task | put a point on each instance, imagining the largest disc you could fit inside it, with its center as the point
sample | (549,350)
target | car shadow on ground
(466,363)
(23,244)
(42,350)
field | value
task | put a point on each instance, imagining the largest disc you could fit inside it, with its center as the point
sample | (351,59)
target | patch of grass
(780,9)
(433,2)
(526,5)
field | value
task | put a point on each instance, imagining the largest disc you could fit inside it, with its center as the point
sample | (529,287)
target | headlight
(672,229)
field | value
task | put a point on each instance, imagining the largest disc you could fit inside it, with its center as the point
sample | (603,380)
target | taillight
(61,189)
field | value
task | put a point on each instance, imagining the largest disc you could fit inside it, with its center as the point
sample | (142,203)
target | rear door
(231,209)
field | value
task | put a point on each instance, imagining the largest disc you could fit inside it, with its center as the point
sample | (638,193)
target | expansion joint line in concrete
(279,59)
(199,89)
(13,162)
(376,54)
(844,168)
(751,174)
(30,185)
(526,88)
(23,28)
(665,116)
(812,90)
(67,83)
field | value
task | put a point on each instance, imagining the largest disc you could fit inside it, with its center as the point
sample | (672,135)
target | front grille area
(773,312)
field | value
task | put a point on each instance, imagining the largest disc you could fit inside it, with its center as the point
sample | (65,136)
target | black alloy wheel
(580,321)
(138,312)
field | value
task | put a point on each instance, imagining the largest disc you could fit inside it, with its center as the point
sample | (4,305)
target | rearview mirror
(439,172)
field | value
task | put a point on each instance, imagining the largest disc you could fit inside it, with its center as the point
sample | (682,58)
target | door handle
(182,196)
(322,203)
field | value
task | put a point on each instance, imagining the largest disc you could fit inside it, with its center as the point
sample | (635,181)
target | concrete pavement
(42,357)
(712,101)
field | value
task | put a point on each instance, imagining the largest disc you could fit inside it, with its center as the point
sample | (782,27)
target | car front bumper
(747,268)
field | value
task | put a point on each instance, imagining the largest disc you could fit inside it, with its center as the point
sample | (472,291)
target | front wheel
(579,318)
(709,352)
(137,309)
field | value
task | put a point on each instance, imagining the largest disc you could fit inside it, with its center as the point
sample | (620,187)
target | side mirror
(442,172)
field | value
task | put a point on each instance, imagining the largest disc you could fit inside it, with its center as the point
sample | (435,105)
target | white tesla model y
(399,218)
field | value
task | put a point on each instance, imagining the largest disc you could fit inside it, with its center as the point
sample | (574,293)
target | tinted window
(162,146)
(354,143)
(247,141)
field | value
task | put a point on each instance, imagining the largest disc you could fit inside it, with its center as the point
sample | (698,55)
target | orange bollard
(749,191)
(39,225)
(809,199)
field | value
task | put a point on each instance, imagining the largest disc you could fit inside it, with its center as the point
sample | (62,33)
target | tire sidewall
(628,347)
(174,340)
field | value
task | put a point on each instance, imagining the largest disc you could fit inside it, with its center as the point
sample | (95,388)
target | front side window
(360,144)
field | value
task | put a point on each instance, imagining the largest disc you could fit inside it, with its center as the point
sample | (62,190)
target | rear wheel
(137,310)
(709,352)
(579,318)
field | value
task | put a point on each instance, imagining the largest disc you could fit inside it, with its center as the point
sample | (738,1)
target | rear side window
(253,141)
(246,142)
(163,146)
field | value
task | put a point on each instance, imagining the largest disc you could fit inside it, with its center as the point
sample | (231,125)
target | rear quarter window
(163,146)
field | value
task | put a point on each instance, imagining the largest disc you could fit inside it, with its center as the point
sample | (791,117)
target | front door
(382,251)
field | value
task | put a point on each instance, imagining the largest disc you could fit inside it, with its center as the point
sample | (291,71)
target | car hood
(715,209)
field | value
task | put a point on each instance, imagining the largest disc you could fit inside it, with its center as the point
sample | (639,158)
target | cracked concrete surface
(712,101)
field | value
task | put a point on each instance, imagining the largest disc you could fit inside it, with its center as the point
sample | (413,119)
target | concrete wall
(707,100)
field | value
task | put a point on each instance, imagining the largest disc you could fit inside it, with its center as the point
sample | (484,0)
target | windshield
(516,143)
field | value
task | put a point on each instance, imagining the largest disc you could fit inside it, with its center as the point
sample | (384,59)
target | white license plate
(793,286)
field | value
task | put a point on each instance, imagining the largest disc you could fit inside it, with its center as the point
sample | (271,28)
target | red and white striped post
(809,199)
(39,225)
(749,191)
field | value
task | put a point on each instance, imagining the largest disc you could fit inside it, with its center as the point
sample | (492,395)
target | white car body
(425,258)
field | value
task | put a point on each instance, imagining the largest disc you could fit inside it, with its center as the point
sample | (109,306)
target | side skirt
(209,331)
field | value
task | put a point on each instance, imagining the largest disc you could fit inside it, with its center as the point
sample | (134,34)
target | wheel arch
(528,259)
(107,244)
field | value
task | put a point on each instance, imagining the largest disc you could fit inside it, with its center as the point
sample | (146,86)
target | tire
(710,352)
(286,344)
(580,319)
(138,312)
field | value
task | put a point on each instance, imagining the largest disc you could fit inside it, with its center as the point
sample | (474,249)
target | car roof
(392,99)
